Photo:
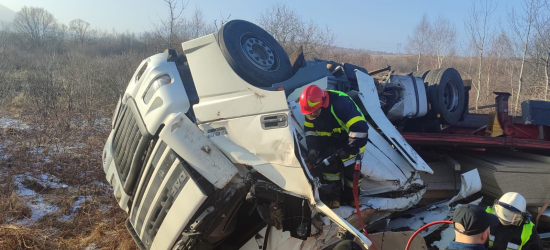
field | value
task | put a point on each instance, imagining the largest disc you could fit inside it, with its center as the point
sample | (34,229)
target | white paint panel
(185,206)
(189,142)
(271,151)
(223,94)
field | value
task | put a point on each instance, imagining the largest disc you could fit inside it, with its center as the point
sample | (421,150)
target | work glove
(342,154)
(313,156)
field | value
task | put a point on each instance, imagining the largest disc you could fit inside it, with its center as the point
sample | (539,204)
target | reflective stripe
(318,133)
(349,162)
(342,124)
(351,159)
(526,233)
(350,183)
(357,134)
(512,246)
(491,240)
(331,177)
(312,104)
(489,209)
(308,124)
(323,133)
(337,130)
(311,133)
(354,120)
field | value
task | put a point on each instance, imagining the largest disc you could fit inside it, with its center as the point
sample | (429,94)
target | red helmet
(312,99)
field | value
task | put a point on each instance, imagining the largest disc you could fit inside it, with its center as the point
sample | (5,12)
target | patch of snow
(7,122)
(39,208)
(46,180)
(96,183)
(104,208)
(74,208)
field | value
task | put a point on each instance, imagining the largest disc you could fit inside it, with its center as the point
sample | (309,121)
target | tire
(421,74)
(253,53)
(445,93)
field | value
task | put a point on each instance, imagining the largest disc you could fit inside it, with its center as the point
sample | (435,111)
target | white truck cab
(206,150)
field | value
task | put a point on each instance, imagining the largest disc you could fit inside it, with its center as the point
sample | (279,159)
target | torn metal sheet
(369,96)
(470,184)
(189,142)
(268,151)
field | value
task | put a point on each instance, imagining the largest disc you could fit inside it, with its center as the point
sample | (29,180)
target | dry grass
(59,166)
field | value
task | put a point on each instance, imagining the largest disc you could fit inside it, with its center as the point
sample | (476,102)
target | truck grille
(125,142)
(130,143)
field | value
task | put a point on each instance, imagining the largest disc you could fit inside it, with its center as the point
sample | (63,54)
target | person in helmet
(515,230)
(334,124)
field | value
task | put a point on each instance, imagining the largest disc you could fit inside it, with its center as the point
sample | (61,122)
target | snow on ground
(35,201)
(74,208)
(39,208)
(7,122)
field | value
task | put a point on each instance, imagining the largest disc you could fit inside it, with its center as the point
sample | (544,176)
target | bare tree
(165,32)
(288,28)
(196,26)
(35,24)
(521,25)
(478,28)
(418,41)
(81,30)
(542,42)
(442,39)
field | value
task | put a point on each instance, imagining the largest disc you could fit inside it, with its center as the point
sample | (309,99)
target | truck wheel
(253,53)
(421,74)
(446,94)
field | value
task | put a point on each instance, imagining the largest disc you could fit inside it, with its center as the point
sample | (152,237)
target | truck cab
(206,150)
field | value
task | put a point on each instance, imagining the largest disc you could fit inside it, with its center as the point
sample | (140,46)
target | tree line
(49,68)
(510,55)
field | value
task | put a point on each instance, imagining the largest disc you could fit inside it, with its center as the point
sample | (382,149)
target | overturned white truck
(206,147)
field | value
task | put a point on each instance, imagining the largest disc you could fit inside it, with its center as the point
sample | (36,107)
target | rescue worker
(515,230)
(472,228)
(334,124)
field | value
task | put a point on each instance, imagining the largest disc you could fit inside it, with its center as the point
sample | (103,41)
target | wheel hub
(259,53)
(450,95)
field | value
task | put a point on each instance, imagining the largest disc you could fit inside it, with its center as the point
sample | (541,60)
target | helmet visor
(507,214)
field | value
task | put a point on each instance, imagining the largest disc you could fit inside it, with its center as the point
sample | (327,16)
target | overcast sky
(367,24)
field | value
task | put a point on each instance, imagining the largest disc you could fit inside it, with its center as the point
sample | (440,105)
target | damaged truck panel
(189,142)
(369,97)
(269,151)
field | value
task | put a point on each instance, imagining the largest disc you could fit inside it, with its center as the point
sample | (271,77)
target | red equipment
(356,176)
(424,227)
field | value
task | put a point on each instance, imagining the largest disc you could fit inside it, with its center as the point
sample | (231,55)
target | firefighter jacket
(341,124)
(514,237)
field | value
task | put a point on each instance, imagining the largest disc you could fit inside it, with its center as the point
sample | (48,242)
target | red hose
(424,227)
(356,176)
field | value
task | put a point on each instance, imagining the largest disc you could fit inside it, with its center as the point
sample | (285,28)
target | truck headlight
(155,85)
